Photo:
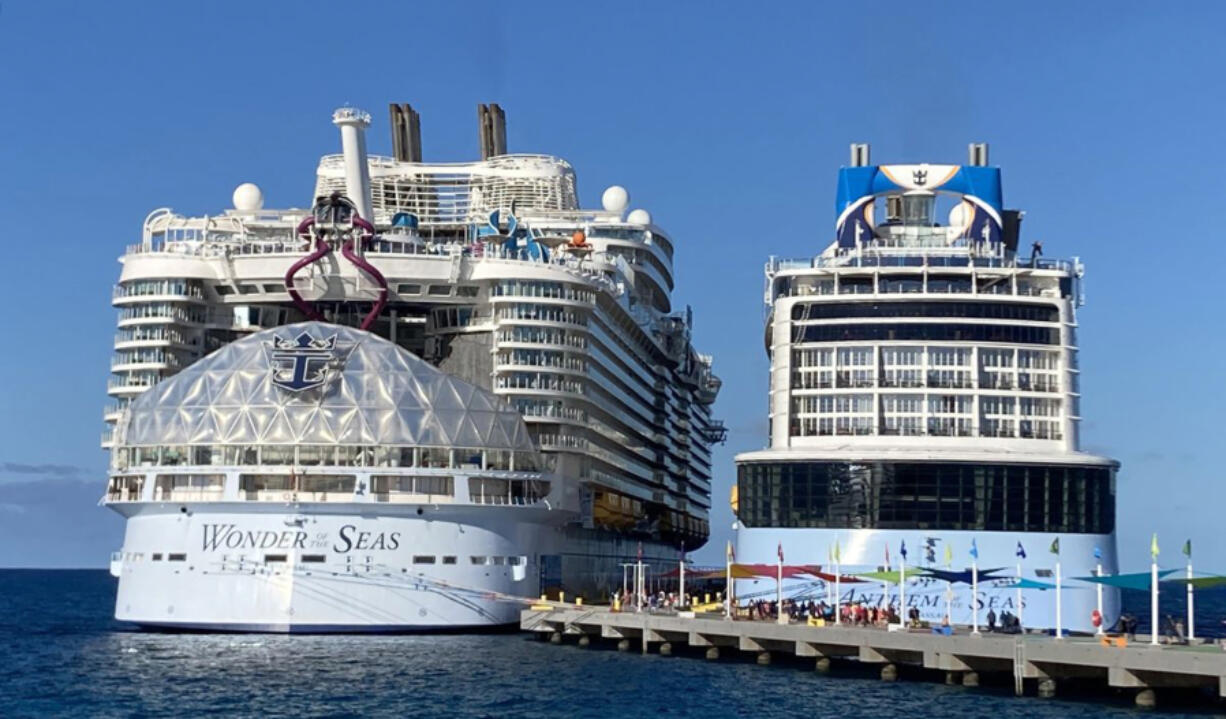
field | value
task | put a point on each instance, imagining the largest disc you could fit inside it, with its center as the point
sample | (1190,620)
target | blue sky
(726,121)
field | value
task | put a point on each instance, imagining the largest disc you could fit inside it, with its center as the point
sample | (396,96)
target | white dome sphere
(639,217)
(248,197)
(615,199)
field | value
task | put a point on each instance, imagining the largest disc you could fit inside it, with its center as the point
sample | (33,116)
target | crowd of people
(852,613)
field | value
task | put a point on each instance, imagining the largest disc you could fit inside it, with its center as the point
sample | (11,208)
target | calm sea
(64,656)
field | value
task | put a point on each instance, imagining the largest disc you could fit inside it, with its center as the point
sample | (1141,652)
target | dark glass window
(1012,334)
(1028,311)
(927,495)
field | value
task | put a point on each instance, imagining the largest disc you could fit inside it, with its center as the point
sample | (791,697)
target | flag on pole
(949,554)
(1153,546)
(781,552)
(836,551)
(1187,549)
(731,553)
(1021,551)
(974,550)
(1055,546)
(1098,553)
(902,548)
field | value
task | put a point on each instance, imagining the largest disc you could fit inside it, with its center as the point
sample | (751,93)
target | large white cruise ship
(924,399)
(441,388)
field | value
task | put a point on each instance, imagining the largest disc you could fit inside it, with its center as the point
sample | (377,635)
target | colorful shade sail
(1136,580)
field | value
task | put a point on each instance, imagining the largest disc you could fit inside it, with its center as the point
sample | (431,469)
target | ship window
(439,290)
(477,559)
(423,559)
(408,289)
(248,289)
(157,556)
(313,558)
(176,557)
(497,561)
(467,291)
(277,287)
(927,495)
(516,561)
(223,290)
(271,558)
(449,560)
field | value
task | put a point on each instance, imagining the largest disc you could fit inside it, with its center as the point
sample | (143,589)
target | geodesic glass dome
(314,383)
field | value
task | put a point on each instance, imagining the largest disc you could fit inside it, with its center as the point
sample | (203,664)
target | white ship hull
(865,550)
(313,568)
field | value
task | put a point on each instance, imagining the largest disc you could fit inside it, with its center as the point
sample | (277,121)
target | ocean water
(63,655)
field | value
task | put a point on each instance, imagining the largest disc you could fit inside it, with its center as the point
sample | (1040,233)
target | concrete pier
(1139,666)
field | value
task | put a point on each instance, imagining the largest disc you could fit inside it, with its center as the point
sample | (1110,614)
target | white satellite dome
(248,197)
(639,217)
(615,199)
(960,215)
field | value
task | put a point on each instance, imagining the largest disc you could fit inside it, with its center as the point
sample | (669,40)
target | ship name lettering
(351,538)
(228,536)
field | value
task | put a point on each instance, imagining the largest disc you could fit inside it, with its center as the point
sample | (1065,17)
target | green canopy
(1199,582)
(1136,580)
(887,576)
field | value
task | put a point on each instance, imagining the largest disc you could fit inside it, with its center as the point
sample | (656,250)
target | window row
(328,455)
(1028,311)
(541,358)
(928,332)
(542,335)
(935,496)
(549,290)
(146,288)
(541,313)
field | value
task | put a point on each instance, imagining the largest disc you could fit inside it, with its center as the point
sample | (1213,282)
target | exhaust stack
(977,153)
(353,123)
(406,133)
(491,130)
(859,154)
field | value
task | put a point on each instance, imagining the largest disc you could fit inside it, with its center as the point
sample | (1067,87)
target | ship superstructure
(924,393)
(489,271)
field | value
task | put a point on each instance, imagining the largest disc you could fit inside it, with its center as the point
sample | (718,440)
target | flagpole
(1191,614)
(1187,548)
(1098,571)
(1019,594)
(728,582)
(780,617)
(902,588)
(1153,591)
(681,582)
(1059,599)
(838,589)
(1153,602)
(975,597)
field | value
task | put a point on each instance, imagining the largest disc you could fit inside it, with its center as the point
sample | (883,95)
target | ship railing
(869,258)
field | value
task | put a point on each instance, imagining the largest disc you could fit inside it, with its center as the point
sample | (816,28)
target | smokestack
(353,123)
(406,133)
(859,154)
(491,130)
(978,154)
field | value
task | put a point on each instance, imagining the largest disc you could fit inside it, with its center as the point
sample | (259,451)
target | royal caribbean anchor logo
(303,362)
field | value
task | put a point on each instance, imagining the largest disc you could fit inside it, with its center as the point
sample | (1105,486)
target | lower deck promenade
(1137,665)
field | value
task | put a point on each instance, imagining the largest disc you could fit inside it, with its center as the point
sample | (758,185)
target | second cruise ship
(925,402)
(443,387)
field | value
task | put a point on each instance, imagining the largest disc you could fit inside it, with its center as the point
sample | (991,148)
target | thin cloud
(11,508)
(42,470)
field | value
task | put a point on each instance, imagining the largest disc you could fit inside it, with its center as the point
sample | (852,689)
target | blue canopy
(1136,580)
